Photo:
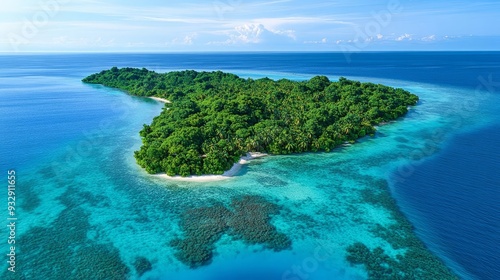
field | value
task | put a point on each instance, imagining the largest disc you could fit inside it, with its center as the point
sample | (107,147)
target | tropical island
(215,118)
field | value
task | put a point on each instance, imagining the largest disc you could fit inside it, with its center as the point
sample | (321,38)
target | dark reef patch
(142,265)
(404,147)
(30,200)
(249,221)
(45,254)
(62,250)
(414,262)
(202,228)
(401,139)
(98,261)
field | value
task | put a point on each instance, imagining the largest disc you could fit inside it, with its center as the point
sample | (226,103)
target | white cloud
(186,40)
(254,34)
(429,38)
(289,33)
(451,37)
(322,41)
(404,37)
(370,39)
(248,33)
(275,22)
(242,34)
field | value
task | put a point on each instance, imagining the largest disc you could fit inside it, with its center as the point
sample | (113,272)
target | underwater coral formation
(249,221)
(414,262)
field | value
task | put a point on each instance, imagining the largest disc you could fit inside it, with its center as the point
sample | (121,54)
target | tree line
(217,117)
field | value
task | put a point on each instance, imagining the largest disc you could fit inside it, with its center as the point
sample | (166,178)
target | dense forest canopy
(217,117)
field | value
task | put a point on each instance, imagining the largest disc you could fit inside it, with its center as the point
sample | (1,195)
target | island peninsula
(215,118)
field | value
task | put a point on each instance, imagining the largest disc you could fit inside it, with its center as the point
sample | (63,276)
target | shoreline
(212,178)
(159,99)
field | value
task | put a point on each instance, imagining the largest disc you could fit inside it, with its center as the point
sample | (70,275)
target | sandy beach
(210,178)
(160,99)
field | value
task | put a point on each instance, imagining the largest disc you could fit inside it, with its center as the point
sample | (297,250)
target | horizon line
(235,52)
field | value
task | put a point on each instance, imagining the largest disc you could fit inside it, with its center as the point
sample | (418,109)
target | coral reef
(142,265)
(414,261)
(249,221)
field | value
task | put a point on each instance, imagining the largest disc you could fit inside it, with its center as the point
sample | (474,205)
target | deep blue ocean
(85,210)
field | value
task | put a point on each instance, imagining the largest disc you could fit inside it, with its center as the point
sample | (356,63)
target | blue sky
(238,25)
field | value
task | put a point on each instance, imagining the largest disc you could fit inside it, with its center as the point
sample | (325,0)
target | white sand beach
(211,178)
(160,99)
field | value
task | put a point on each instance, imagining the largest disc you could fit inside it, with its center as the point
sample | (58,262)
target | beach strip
(211,178)
(159,99)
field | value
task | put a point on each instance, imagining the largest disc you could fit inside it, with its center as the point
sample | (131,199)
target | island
(212,119)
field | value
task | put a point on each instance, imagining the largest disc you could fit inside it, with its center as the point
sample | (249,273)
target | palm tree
(302,143)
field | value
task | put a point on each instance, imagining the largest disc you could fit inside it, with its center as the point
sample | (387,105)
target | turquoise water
(87,211)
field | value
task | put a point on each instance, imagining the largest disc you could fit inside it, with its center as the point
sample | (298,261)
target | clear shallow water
(84,202)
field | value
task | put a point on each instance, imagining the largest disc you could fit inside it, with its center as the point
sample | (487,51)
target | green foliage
(216,117)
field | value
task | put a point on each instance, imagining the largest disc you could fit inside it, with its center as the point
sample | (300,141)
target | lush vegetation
(216,117)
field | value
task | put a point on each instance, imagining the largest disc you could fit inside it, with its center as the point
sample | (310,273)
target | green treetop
(217,117)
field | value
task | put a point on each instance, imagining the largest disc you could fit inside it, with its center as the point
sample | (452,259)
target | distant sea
(85,210)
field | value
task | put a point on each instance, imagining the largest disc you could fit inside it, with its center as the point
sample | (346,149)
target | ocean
(85,210)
